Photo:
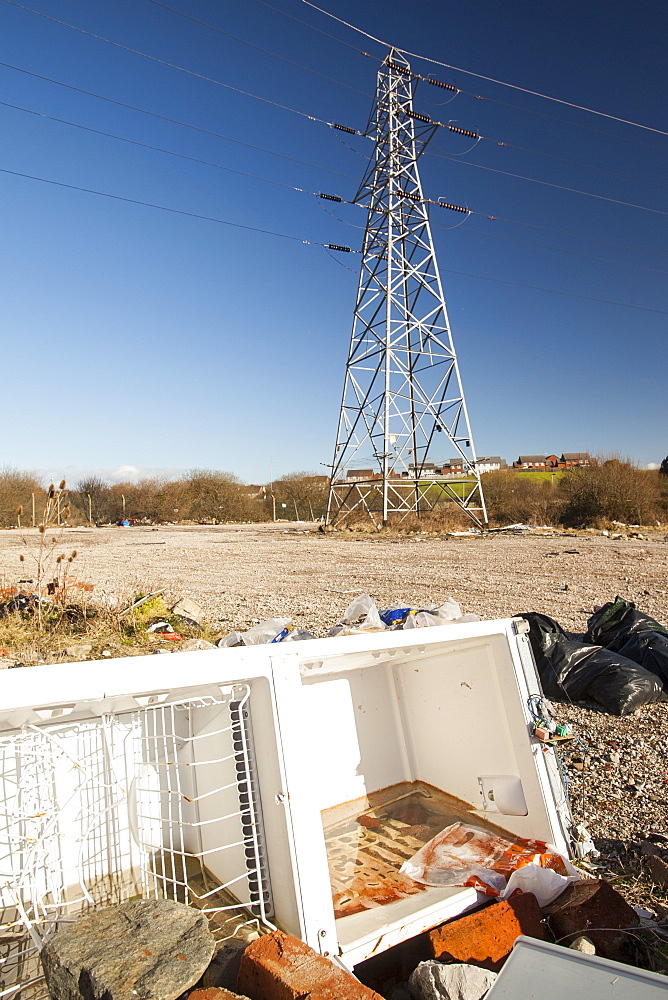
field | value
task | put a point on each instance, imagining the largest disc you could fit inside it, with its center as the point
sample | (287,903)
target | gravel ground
(243,573)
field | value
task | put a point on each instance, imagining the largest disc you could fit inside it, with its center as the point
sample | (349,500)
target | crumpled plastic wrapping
(465,855)
(362,615)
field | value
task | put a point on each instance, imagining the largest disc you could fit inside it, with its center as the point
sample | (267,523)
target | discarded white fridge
(282,785)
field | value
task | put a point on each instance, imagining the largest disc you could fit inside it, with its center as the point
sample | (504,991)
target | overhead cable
(171,152)
(560,187)
(303,114)
(176,211)
(564,121)
(306,24)
(252,45)
(271,152)
(329,246)
(556,291)
(459,90)
(480,76)
(174,121)
(270,180)
(575,163)
(181,69)
(546,246)
(575,236)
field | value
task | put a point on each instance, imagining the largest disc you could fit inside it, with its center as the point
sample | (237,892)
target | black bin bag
(620,627)
(571,669)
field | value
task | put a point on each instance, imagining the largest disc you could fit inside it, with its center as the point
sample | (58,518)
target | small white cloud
(653,465)
(125,472)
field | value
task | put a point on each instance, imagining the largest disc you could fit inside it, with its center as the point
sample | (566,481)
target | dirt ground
(240,574)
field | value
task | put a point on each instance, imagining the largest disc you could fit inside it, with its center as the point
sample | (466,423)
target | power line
(271,152)
(560,187)
(298,20)
(173,121)
(177,211)
(564,121)
(556,291)
(545,246)
(171,152)
(303,113)
(297,239)
(480,76)
(181,69)
(269,52)
(575,236)
(292,187)
(301,190)
(575,163)
(459,90)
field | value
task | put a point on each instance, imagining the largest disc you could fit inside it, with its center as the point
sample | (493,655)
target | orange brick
(485,938)
(280,967)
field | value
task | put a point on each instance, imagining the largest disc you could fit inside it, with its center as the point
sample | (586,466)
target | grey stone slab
(141,950)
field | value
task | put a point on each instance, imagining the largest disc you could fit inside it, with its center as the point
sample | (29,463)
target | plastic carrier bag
(465,855)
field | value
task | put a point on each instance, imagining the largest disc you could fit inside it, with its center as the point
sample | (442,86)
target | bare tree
(304,493)
(17,490)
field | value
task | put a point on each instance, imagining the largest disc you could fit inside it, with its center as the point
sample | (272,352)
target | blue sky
(136,339)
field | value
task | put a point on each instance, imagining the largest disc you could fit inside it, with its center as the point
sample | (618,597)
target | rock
(659,870)
(148,949)
(78,652)
(583,944)
(584,906)
(189,644)
(485,938)
(215,993)
(434,981)
(188,609)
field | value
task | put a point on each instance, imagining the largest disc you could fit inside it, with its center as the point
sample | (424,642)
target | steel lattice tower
(402,399)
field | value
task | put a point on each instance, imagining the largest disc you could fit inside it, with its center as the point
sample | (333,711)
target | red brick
(485,938)
(280,967)
(585,905)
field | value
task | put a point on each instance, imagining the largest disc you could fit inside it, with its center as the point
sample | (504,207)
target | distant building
(493,463)
(536,462)
(568,460)
(359,473)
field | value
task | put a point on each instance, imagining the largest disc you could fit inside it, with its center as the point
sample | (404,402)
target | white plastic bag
(362,607)
(267,631)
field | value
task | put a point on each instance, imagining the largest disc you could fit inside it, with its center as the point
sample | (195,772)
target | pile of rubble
(160,950)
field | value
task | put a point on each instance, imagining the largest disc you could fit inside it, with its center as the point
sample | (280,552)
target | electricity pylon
(402,399)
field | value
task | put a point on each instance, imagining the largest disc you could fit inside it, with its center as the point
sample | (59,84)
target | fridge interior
(407,741)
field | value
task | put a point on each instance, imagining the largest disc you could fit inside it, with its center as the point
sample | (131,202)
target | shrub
(609,490)
(512,498)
